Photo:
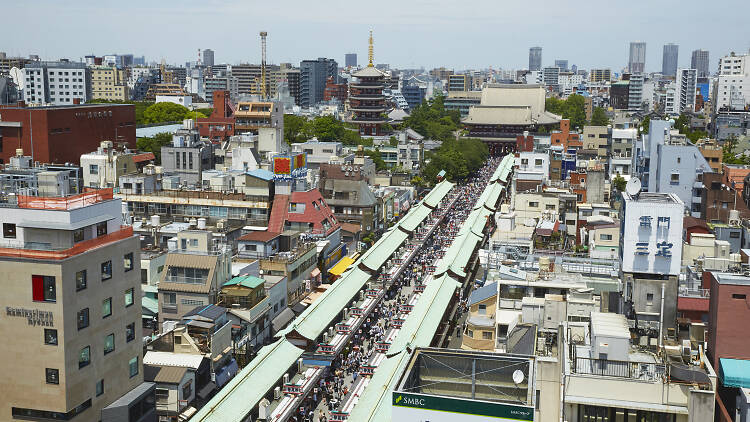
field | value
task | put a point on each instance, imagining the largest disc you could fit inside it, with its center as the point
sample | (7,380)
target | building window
(605,237)
(106,307)
(470,333)
(93,169)
(533,204)
(9,230)
(487,335)
(649,298)
(83,318)
(109,343)
(550,207)
(133,366)
(128,261)
(99,388)
(130,332)
(675,179)
(50,336)
(84,358)
(187,389)
(101,229)
(482,309)
(80,280)
(53,375)
(106,270)
(738,296)
(129,297)
(43,288)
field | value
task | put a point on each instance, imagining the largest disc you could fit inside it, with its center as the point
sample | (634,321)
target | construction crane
(263,91)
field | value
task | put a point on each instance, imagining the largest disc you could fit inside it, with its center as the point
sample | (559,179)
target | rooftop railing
(89,197)
(43,251)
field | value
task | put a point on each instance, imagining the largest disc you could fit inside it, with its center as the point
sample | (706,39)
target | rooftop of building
(731,278)
(653,197)
(60,107)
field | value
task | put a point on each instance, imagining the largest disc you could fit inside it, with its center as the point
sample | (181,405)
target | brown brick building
(62,133)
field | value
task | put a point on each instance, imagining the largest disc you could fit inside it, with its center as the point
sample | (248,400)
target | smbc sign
(424,408)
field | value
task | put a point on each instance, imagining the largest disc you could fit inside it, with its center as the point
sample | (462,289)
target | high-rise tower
(263,89)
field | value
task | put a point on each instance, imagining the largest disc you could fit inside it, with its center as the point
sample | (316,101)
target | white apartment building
(671,103)
(56,83)
(732,86)
(686,83)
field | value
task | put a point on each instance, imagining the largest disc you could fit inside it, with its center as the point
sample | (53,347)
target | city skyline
(429,42)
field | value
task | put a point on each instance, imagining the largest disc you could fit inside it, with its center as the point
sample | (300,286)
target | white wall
(634,233)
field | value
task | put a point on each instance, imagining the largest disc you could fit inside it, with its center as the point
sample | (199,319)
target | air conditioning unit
(286,378)
(277,393)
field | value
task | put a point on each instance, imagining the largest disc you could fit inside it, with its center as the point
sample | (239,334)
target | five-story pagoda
(366,99)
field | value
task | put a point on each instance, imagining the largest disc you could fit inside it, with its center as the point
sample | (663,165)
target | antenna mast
(263,91)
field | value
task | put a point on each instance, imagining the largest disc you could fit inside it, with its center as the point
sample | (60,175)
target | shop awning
(341,266)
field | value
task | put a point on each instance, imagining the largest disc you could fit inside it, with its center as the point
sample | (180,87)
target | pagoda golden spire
(370,53)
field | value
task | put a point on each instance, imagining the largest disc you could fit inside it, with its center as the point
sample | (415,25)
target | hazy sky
(408,33)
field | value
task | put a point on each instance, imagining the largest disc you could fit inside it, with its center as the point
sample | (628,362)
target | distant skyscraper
(208,57)
(535,58)
(562,64)
(350,60)
(699,62)
(669,59)
(637,62)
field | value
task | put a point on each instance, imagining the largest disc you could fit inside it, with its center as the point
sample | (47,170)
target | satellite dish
(633,188)
(518,376)
(17,76)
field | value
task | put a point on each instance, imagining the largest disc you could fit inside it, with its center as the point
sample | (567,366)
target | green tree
(293,127)
(645,124)
(572,108)
(599,117)
(393,141)
(432,120)
(154,144)
(167,112)
(377,159)
(140,107)
(459,158)
(619,183)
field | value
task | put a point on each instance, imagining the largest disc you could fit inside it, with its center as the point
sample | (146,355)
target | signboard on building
(423,408)
(286,167)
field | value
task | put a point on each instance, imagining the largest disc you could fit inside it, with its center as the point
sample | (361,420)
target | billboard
(289,166)
(428,408)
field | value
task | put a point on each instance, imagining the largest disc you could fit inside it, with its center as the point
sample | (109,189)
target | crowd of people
(333,389)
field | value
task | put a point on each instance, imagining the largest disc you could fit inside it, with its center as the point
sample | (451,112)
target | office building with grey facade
(669,59)
(313,76)
(699,62)
(535,58)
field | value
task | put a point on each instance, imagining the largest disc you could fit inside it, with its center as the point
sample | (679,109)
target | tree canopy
(572,108)
(154,144)
(683,125)
(169,112)
(599,117)
(459,158)
(432,120)
(140,107)
(325,128)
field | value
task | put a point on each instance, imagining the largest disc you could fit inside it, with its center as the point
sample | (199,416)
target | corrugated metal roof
(187,360)
(437,193)
(379,253)
(245,281)
(189,261)
(414,218)
(164,374)
(314,320)
(247,388)
(483,293)
(458,254)
(418,330)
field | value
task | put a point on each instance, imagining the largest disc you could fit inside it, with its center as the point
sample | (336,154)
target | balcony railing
(42,251)
(645,371)
(91,196)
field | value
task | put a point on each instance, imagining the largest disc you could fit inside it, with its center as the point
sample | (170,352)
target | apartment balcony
(45,252)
